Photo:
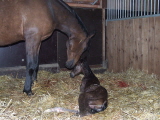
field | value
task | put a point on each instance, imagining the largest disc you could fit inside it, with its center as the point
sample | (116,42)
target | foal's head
(75,48)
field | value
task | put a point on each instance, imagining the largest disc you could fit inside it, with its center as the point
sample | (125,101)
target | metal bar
(151,8)
(132,7)
(135,10)
(125,8)
(120,9)
(156,15)
(129,8)
(108,8)
(115,8)
(138,6)
(147,7)
(154,6)
(144,7)
(141,7)
(158,7)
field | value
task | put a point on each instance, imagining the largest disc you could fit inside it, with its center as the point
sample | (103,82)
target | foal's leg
(32,51)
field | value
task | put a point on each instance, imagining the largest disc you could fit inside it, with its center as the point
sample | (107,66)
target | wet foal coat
(93,97)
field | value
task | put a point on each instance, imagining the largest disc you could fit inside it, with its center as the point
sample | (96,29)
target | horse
(33,21)
(93,97)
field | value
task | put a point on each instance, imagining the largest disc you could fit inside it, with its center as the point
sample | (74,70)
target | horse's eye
(69,45)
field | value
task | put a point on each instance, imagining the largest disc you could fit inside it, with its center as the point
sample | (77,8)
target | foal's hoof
(29,92)
(72,75)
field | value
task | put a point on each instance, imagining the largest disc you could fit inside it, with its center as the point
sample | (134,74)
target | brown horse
(34,21)
(93,97)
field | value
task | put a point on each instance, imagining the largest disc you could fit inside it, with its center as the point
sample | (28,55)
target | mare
(35,20)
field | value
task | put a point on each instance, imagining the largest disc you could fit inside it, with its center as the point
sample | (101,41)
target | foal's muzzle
(70,64)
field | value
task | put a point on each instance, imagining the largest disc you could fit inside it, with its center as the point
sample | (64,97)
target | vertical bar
(147,7)
(120,9)
(151,8)
(116,8)
(138,6)
(108,9)
(125,8)
(108,1)
(154,6)
(130,8)
(141,7)
(144,7)
(158,7)
(133,10)
(111,7)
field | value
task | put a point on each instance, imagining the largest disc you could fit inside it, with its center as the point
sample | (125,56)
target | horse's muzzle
(70,64)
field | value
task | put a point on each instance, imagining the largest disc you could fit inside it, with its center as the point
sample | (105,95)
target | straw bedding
(133,95)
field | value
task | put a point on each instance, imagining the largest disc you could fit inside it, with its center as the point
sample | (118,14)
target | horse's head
(75,48)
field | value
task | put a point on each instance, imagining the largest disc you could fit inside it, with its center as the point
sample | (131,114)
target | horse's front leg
(32,52)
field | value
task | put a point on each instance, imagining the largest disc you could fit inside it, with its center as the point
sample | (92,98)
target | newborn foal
(93,97)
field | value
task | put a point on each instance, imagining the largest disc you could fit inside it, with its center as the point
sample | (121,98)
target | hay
(133,95)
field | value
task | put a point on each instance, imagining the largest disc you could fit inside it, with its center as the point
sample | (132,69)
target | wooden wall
(134,43)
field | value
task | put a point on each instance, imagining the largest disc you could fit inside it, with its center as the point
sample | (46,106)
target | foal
(93,97)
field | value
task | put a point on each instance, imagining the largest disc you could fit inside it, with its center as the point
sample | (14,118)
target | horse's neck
(72,25)
(72,29)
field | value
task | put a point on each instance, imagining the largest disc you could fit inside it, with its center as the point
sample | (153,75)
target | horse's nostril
(70,64)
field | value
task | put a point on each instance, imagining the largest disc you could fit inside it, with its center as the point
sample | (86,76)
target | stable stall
(126,44)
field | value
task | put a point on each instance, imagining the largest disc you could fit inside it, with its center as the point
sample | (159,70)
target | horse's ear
(92,34)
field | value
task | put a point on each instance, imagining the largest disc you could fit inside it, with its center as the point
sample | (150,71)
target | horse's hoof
(29,93)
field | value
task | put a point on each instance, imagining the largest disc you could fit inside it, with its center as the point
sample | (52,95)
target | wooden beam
(84,5)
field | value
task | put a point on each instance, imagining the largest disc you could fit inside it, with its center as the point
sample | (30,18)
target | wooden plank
(117,46)
(145,30)
(131,44)
(103,38)
(134,46)
(84,5)
(127,41)
(151,39)
(109,44)
(114,47)
(138,33)
(103,3)
(157,46)
(121,45)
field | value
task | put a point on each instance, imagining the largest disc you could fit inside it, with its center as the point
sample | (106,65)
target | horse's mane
(75,14)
